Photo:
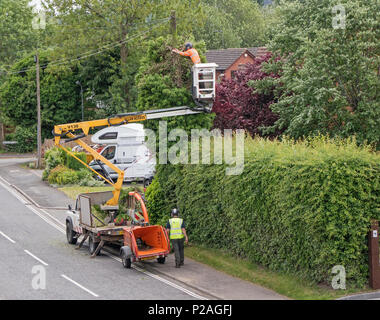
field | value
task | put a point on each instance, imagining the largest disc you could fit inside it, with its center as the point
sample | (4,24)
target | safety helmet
(175,212)
(188,46)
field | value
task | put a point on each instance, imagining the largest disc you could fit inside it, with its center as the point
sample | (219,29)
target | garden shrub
(62,175)
(73,163)
(26,139)
(298,208)
(54,173)
(70,170)
(53,157)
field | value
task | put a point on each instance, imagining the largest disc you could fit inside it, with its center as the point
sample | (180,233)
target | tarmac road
(32,242)
(32,235)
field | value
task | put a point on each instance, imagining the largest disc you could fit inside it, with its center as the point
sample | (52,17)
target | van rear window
(108,136)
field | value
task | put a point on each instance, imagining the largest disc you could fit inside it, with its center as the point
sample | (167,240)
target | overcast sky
(36,3)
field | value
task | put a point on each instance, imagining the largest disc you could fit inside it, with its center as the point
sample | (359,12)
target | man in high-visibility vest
(189,52)
(177,233)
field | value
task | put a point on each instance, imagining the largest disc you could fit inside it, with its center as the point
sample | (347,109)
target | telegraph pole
(173,27)
(39,153)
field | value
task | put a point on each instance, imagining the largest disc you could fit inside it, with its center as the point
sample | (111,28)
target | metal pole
(81,93)
(39,153)
(173,27)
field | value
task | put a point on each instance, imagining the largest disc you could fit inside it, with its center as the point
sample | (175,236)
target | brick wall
(243,59)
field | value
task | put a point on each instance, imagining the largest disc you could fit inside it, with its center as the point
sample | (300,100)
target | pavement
(192,281)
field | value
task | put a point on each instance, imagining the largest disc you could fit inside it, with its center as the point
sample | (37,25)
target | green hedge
(57,157)
(73,163)
(298,208)
(62,169)
(26,138)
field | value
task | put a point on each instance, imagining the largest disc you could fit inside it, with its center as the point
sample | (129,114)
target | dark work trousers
(179,250)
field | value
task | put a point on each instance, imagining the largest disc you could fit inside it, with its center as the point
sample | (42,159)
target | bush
(26,138)
(298,208)
(239,106)
(55,173)
(53,157)
(73,163)
(62,175)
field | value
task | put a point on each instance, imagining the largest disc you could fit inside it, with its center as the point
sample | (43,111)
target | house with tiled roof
(231,60)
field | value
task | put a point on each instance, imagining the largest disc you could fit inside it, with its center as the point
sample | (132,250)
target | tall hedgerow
(298,208)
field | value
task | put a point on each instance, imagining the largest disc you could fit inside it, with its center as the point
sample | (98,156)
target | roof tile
(225,57)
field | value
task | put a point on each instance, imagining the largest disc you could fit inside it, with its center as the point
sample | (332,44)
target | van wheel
(147,182)
(161,260)
(70,234)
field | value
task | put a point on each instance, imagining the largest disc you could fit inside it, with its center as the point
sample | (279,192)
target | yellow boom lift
(81,221)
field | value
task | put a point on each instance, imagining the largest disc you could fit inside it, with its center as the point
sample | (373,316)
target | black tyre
(126,262)
(92,245)
(70,234)
(161,260)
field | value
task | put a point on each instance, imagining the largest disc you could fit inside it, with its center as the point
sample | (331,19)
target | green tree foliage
(121,27)
(99,26)
(164,81)
(330,77)
(16,33)
(231,24)
(101,78)
(298,208)
(60,96)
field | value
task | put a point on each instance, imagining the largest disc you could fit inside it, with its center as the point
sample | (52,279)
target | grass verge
(74,191)
(284,284)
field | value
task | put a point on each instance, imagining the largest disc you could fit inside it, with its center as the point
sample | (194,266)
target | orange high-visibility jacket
(193,54)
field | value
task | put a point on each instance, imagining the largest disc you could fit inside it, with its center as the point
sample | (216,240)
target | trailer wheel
(161,260)
(70,234)
(126,262)
(92,245)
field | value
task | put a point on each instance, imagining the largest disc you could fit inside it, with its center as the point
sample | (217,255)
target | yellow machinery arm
(75,131)
(68,130)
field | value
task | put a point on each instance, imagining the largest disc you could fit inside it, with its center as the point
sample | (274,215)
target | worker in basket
(189,52)
(194,55)
(177,233)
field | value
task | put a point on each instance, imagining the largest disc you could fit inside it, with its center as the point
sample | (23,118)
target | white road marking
(6,187)
(46,220)
(48,214)
(79,285)
(62,230)
(159,278)
(38,259)
(6,237)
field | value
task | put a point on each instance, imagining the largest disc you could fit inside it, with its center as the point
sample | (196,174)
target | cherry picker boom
(75,131)
(137,233)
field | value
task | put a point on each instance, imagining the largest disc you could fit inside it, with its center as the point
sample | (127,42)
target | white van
(126,148)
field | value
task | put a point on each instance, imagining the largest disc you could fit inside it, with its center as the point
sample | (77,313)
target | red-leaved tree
(238,106)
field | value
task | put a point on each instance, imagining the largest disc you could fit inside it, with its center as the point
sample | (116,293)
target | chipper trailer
(138,240)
